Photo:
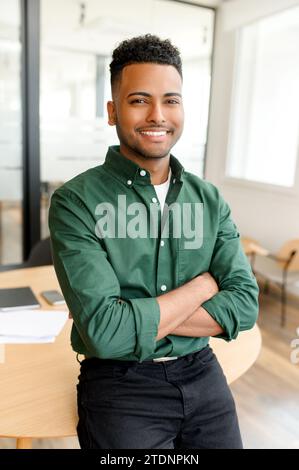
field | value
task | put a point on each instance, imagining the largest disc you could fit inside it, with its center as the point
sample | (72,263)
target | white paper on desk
(33,323)
(25,339)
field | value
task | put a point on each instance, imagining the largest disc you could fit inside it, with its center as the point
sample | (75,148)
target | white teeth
(152,133)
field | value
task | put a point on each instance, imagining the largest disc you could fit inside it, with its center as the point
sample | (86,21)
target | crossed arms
(175,308)
(181,313)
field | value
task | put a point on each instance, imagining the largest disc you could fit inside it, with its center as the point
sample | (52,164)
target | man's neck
(158,168)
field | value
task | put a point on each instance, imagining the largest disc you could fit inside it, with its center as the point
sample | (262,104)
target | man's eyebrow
(173,94)
(142,93)
(148,95)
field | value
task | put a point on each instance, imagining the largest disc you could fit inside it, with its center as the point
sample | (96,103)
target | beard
(140,151)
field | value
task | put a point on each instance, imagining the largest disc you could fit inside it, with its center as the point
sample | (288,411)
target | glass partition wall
(11,166)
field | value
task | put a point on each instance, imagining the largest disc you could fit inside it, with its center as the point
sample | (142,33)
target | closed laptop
(17,298)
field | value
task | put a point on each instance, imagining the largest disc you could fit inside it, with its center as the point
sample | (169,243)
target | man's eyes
(173,102)
(139,100)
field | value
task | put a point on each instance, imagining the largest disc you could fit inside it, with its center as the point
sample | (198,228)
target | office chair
(248,245)
(281,268)
(40,255)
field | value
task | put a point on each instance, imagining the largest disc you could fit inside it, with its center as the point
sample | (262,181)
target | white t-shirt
(162,189)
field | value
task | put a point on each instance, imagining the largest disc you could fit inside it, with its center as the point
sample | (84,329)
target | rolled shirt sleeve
(235,306)
(108,327)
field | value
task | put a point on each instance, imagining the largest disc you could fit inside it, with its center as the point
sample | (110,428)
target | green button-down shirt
(111,282)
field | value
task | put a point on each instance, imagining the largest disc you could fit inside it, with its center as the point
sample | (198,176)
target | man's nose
(156,114)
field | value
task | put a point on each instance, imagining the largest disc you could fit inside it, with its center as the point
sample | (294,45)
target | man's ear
(111,113)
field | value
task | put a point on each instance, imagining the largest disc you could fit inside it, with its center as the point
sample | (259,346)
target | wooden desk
(38,381)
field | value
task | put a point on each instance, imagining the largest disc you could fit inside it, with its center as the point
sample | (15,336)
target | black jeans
(180,404)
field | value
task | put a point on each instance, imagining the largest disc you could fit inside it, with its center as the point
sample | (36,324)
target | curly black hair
(142,49)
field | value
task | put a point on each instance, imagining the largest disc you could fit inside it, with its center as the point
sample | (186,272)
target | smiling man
(145,304)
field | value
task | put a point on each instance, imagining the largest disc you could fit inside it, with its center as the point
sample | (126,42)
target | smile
(154,133)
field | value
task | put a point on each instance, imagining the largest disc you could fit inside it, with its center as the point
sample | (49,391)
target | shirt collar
(129,173)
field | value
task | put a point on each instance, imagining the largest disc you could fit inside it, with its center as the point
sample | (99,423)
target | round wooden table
(38,381)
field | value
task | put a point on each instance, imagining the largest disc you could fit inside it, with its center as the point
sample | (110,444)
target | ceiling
(100,26)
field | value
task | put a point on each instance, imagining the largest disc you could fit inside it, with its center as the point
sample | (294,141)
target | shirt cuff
(223,312)
(147,318)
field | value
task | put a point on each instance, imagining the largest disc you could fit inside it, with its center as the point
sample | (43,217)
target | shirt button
(154,199)
(163,287)
(142,173)
(162,243)
(129,182)
(174,180)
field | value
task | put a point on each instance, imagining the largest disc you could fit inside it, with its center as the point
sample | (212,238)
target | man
(145,297)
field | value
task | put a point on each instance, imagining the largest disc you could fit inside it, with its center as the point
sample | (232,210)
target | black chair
(40,254)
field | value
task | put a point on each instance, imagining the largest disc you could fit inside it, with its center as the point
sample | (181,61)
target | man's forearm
(200,323)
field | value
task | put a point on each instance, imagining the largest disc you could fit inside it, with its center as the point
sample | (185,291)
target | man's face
(147,110)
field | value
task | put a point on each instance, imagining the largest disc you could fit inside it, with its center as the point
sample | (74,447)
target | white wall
(271,215)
